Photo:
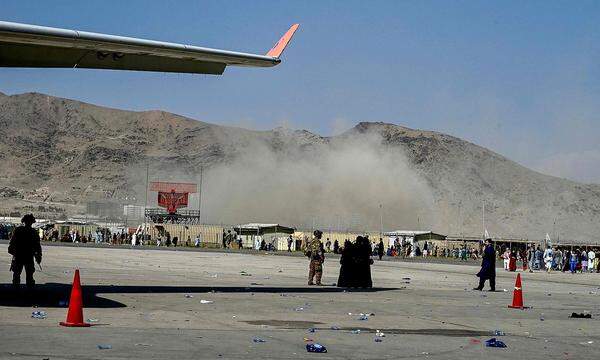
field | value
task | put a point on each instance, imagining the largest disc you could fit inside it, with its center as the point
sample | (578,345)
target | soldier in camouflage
(315,252)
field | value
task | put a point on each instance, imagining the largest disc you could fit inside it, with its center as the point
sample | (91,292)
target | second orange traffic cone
(75,314)
(517,302)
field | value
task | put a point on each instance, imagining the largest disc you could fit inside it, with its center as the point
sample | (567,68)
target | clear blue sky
(521,78)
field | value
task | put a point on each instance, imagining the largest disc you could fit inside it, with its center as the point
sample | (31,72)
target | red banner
(172,201)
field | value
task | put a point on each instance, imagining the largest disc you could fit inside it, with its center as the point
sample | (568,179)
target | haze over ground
(518,78)
(58,154)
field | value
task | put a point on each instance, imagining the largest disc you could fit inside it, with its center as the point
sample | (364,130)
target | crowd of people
(121,237)
(410,249)
(574,260)
(531,258)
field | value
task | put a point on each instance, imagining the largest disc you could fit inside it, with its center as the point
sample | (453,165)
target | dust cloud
(336,185)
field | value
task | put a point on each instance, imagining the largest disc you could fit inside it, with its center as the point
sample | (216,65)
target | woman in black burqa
(363,262)
(356,262)
(346,278)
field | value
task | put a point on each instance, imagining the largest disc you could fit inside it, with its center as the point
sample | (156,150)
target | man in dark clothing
(25,246)
(488,267)
(336,247)
(380,248)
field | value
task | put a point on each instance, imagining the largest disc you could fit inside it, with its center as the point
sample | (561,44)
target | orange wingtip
(277,50)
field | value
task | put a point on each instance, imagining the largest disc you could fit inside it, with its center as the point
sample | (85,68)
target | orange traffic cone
(75,314)
(517,302)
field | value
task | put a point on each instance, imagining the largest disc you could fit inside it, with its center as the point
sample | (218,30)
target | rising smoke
(338,184)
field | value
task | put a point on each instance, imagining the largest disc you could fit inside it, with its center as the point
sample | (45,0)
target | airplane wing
(23,45)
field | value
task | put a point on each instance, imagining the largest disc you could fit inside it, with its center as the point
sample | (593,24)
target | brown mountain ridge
(63,153)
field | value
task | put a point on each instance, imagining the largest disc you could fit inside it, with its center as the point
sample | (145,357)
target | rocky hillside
(58,154)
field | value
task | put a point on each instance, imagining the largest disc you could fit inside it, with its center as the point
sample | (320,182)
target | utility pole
(381,220)
(460,229)
(483,212)
(200,195)
(146,198)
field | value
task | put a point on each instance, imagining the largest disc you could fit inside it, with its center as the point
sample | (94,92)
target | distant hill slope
(62,151)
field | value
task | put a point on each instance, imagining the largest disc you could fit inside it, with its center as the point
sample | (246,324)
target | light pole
(381,220)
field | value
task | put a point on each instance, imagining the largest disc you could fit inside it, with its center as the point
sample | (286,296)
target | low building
(275,234)
(133,212)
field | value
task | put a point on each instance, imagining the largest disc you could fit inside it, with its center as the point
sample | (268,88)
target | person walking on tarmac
(380,248)
(315,252)
(488,267)
(25,246)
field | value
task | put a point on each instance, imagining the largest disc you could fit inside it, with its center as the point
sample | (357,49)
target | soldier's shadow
(51,295)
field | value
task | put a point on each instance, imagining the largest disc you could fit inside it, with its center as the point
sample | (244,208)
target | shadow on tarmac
(51,295)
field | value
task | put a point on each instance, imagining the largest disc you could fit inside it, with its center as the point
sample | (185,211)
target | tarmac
(149,305)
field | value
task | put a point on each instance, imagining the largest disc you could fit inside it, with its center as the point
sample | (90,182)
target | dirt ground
(149,305)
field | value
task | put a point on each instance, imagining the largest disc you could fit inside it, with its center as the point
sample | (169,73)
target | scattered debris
(312,330)
(357,331)
(104,346)
(39,315)
(299,309)
(581,316)
(258,340)
(91,320)
(335,327)
(499,333)
(363,318)
(142,344)
(308,339)
(378,340)
(405,278)
(189,296)
(206,301)
(493,342)
(256,284)
(379,334)
(316,348)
